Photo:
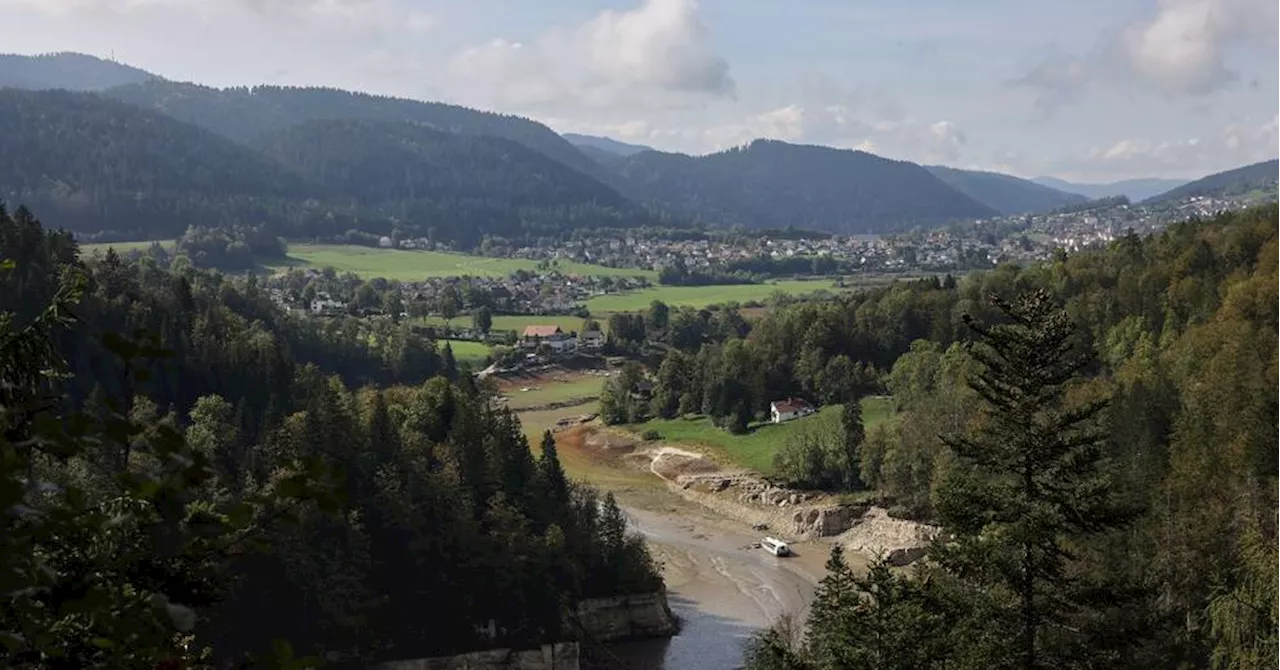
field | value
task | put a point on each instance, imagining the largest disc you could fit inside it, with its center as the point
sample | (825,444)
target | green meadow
(411,265)
(701,296)
(464,350)
(123,247)
(755,449)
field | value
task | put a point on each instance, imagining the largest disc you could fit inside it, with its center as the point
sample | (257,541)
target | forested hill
(1231,182)
(102,165)
(333,484)
(1004,193)
(247,114)
(69,71)
(775,184)
(122,172)
(386,162)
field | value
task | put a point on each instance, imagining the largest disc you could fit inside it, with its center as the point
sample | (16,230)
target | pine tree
(1031,480)
(854,435)
(551,473)
(834,601)
(448,365)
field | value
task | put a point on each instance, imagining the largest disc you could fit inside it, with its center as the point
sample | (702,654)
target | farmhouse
(791,408)
(591,339)
(552,336)
(323,305)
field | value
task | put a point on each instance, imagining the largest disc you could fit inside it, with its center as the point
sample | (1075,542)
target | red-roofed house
(791,408)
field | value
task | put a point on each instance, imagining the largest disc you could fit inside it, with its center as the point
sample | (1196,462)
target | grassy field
(515,322)
(699,296)
(544,393)
(754,450)
(465,350)
(406,264)
(122,247)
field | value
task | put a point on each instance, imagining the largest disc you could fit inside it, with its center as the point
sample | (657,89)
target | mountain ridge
(67,70)
(1228,182)
(1005,193)
(769,183)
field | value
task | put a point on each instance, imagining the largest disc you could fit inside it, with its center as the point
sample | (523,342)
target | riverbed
(720,584)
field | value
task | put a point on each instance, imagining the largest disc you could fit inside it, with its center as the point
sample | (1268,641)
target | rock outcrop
(827,521)
(626,617)
(559,656)
(897,540)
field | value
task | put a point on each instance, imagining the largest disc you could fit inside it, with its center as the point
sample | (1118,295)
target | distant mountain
(248,114)
(1004,193)
(605,144)
(771,184)
(94,164)
(1133,189)
(70,71)
(417,174)
(99,166)
(1231,182)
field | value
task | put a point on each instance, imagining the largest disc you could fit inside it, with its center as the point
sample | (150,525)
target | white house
(325,306)
(591,339)
(552,336)
(791,408)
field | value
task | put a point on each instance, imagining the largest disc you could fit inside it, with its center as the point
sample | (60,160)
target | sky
(1084,90)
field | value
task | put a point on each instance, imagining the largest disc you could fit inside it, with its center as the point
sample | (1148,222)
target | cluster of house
(558,341)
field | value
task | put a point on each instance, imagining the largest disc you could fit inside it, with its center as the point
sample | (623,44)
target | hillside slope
(607,144)
(461,185)
(117,171)
(771,184)
(1231,182)
(248,114)
(101,165)
(1004,193)
(70,71)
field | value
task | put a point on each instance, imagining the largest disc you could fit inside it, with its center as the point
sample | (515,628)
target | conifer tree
(550,472)
(1032,480)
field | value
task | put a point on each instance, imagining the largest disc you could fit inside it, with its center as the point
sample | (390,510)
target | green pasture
(700,296)
(755,449)
(413,265)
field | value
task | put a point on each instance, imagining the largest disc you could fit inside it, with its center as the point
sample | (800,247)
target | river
(721,587)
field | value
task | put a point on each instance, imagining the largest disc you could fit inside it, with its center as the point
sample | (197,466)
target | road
(721,586)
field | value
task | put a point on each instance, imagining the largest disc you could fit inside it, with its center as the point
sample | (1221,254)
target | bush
(651,435)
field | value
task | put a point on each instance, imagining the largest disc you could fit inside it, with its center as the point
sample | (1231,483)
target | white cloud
(657,55)
(1180,49)
(1190,157)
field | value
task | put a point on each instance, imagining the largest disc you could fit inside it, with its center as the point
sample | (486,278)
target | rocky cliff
(626,617)
(559,656)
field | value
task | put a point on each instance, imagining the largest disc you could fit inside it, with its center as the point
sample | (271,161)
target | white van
(775,546)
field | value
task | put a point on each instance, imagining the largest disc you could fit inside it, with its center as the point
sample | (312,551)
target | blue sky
(1087,90)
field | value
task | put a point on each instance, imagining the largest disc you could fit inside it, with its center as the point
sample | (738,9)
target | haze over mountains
(1133,189)
(144,156)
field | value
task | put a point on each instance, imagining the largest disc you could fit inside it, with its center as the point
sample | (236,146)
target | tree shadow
(705,642)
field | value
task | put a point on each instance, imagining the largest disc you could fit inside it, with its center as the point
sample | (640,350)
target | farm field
(409,265)
(700,296)
(471,352)
(754,450)
(516,322)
